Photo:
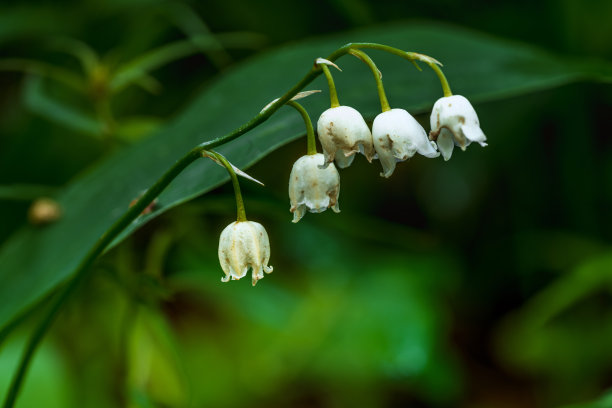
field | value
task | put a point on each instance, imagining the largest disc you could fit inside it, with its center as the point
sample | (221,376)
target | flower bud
(44,211)
(397,137)
(313,187)
(454,123)
(244,245)
(342,131)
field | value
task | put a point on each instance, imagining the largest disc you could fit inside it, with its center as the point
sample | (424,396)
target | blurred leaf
(56,111)
(358,323)
(82,52)
(25,192)
(548,335)
(358,12)
(59,74)
(605,401)
(48,383)
(140,66)
(28,20)
(241,39)
(481,67)
(134,129)
(193,26)
(153,362)
(392,323)
(589,277)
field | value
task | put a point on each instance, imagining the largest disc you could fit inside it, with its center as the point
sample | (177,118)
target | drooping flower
(397,137)
(343,131)
(244,245)
(454,123)
(313,187)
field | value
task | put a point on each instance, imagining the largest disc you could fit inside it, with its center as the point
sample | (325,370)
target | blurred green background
(479,282)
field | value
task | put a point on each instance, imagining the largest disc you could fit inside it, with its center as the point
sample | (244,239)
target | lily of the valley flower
(312,187)
(398,136)
(454,123)
(342,131)
(244,245)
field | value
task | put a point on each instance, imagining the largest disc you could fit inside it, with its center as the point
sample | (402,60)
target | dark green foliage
(475,282)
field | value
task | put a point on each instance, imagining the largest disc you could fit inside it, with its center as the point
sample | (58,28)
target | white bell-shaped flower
(244,245)
(454,123)
(313,187)
(397,137)
(342,131)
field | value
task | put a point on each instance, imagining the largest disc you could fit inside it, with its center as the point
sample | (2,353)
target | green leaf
(482,68)
(133,129)
(42,68)
(141,66)
(57,111)
(25,192)
(605,401)
(31,20)
(546,336)
(49,381)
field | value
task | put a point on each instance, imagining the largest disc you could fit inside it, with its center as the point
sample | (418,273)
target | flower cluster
(314,182)
(396,135)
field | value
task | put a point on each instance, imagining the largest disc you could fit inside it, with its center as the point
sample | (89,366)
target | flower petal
(428,149)
(343,129)
(445,143)
(343,161)
(474,134)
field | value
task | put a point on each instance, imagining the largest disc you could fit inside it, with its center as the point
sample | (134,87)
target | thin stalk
(333,95)
(106,118)
(81,272)
(310,137)
(411,56)
(445,87)
(241,213)
(125,329)
(384,103)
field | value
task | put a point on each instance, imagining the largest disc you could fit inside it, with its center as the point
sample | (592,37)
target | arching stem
(241,213)
(445,87)
(333,95)
(411,56)
(310,137)
(384,103)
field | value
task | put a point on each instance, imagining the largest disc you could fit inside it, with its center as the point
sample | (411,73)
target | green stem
(384,103)
(125,329)
(133,212)
(445,87)
(411,56)
(106,118)
(333,95)
(310,137)
(241,213)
